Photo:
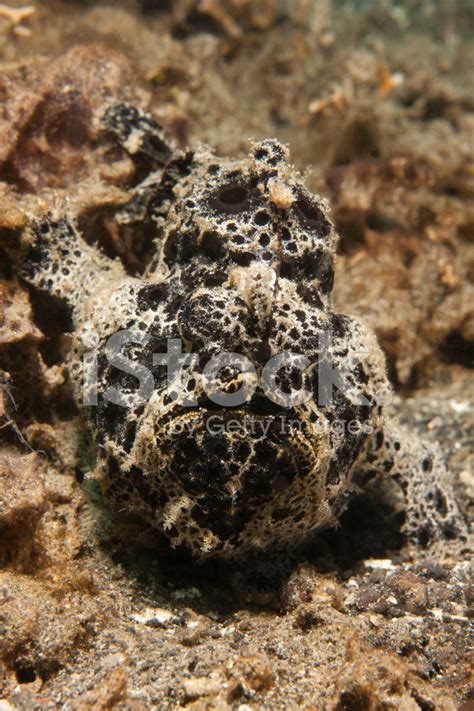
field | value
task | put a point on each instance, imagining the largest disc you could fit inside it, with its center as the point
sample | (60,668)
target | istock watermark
(227,379)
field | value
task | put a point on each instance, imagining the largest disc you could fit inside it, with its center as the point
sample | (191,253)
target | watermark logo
(245,426)
(227,379)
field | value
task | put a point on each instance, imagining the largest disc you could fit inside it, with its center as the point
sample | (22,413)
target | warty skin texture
(244,263)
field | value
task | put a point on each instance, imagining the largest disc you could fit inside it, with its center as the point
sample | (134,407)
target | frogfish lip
(234,441)
(232,463)
(224,469)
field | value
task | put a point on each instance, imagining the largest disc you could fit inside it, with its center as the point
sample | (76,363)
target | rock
(15,315)
(197,687)
(249,675)
(111,691)
(22,504)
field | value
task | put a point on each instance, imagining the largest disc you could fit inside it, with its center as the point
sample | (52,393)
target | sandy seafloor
(378,102)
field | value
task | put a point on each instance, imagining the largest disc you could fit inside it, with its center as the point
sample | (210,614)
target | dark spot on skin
(450,532)
(424,536)
(287,270)
(212,245)
(280,514)
(243,259)
(151,296)
(262,218)
(270,152)
(262,353)
(427,464)
(261,154)
(440,503)
(129,436)
(171,248)
(311,215)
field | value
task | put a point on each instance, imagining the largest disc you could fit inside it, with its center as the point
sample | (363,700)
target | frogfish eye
(233,197)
